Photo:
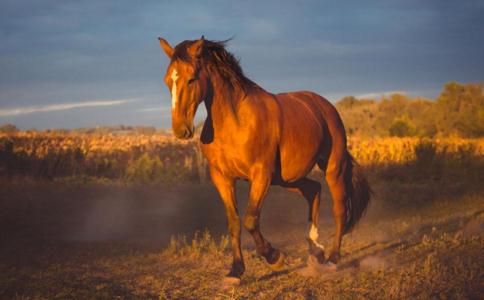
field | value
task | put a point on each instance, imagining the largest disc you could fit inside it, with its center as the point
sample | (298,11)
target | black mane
(217,58)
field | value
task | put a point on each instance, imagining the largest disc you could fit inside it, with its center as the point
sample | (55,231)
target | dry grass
(161,159)
(390,150)
(131,158)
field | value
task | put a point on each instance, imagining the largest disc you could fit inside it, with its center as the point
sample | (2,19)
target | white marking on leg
(313,235)
(174,77)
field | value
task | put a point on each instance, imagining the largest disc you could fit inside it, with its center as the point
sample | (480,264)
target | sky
(86,63)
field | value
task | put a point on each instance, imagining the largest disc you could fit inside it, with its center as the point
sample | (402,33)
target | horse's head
(187,83)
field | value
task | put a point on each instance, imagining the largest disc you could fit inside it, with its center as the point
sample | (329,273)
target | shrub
(8,128)
(145,169)
(402,127)
(425,152)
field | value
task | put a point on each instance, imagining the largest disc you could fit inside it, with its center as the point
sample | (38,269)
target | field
(86,216)
(160,159)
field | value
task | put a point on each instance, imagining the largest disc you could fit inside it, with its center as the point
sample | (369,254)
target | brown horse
(267,139)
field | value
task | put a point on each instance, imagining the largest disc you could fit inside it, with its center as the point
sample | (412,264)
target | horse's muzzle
(184,132)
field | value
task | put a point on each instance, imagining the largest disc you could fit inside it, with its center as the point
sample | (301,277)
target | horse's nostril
(183,132)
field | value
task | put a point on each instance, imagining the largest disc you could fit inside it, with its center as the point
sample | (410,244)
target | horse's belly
(297,163)
(302,134)
(300,150)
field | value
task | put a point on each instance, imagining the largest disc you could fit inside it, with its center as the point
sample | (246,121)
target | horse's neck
(223,108)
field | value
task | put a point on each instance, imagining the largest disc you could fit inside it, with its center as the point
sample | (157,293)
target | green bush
(145,169)
(402,127)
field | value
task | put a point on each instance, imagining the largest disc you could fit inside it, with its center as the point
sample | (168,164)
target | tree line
(457,111)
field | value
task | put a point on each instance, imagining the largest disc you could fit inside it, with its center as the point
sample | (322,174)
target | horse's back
(311,127)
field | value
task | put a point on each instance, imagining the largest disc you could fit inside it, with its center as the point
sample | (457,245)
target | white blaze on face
(174,77)
(313,235)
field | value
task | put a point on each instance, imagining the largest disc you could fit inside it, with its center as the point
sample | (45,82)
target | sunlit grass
(160,159)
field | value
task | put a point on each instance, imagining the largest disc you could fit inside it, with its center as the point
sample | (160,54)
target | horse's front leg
(260,182)
(225,187)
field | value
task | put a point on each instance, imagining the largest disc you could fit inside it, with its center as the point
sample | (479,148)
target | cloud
(379,94)
(160,109)
(57,107)
(54,50)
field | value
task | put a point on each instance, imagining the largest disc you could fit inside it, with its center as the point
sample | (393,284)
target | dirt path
(417,241)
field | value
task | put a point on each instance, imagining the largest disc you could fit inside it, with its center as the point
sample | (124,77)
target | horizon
(199,120)
(87,64)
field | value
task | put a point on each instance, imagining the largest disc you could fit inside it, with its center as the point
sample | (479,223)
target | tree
(461,109)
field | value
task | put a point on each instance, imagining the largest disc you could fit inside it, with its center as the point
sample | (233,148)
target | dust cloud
(154,214)
(94,213)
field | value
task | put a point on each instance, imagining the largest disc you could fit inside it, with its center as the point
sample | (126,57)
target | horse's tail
(358,193)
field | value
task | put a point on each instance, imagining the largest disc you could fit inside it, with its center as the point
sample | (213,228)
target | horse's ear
(196,49)
(166,47)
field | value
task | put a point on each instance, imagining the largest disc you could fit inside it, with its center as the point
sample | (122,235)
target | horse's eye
(190,81)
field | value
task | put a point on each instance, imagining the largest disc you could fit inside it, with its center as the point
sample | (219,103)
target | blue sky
(68,64)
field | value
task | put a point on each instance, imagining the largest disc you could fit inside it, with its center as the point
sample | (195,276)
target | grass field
(421,238)
(155,158)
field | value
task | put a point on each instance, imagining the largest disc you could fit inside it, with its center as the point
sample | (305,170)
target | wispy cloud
(61,106)
(379,94)
(161,109)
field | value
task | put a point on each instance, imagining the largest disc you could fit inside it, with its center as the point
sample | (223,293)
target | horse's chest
(230,160)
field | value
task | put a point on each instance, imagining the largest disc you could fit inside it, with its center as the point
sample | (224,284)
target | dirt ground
(418,240)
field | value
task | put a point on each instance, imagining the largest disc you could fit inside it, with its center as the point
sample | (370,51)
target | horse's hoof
(314,268)
(316,264)
(314,261)
(230,282)
(334,257)
(318,258)
(279,264)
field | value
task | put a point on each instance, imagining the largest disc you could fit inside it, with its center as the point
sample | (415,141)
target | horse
(267,139)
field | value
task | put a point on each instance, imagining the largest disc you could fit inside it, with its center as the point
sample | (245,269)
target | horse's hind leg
(311,191)
(259,185)
(334,174)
